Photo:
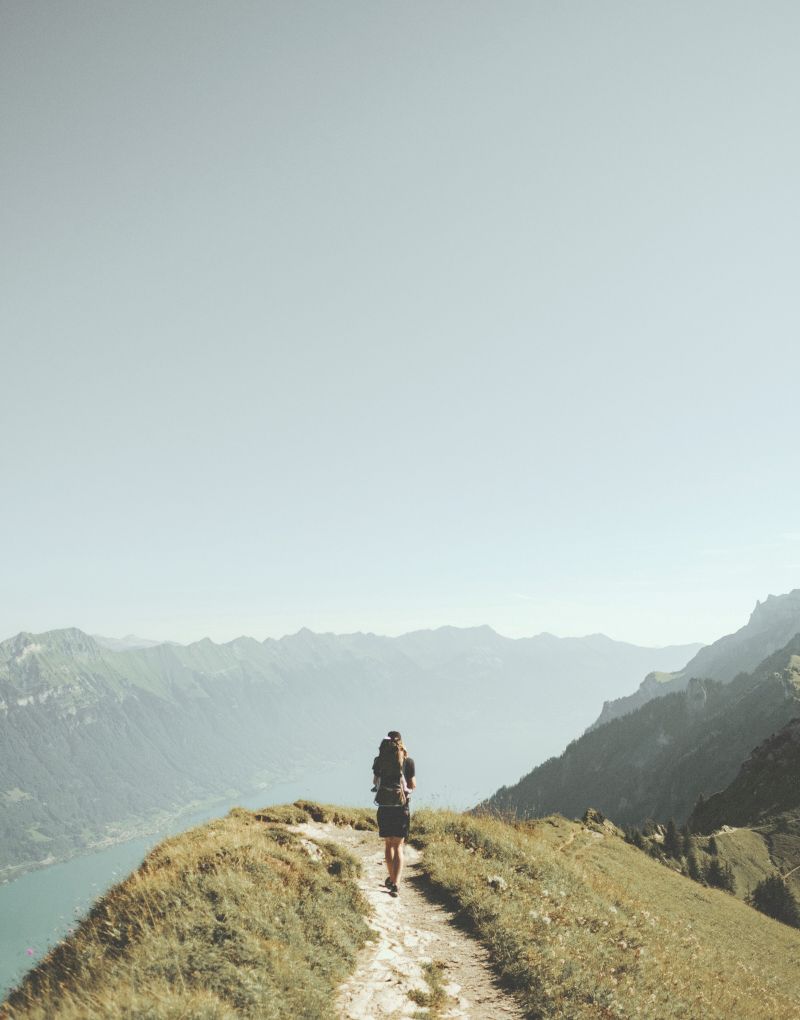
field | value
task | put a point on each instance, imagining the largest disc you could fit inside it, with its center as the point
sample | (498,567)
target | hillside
(768,784)
(754,854)
(772,624)
(656,762)
(734,859)
(242,918)
(95,741)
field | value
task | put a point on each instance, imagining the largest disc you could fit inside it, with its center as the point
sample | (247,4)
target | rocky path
(409,932)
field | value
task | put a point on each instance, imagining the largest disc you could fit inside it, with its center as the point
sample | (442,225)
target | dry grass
(231,919)
(308,811)
(584,925)
(235,919)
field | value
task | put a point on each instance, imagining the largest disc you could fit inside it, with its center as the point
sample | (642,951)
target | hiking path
(409,932)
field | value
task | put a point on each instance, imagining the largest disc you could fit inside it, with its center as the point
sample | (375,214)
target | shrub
(772,896)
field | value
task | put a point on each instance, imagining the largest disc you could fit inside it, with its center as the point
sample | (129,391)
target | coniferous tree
(672,841)
(686,840)
(634,837)
(773,896)
(712,847)
(719,875)
(693,867)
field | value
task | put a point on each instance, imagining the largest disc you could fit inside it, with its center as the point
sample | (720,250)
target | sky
(381,316)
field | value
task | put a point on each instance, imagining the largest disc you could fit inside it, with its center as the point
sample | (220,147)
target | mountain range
(772,624)
(94,741)
(687,740)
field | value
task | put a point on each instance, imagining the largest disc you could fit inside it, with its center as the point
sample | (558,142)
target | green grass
(234,919)
(231,919)
(747,853)
(588,926)
(434,1001)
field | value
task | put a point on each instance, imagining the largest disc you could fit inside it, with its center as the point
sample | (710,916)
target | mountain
(656,761)
(129,641)
(767,786)
(95,741)
(771,625)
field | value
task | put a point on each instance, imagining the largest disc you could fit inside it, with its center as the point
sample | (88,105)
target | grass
(234,919)
(584,925)
(434,1001)
(747,854)
(230,919)
(308,811)
(752,854)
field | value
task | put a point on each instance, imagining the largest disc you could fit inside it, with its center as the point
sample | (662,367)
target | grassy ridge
(581,924)
(231,919)
(237,919)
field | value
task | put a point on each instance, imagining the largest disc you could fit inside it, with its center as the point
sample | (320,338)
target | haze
(371,316)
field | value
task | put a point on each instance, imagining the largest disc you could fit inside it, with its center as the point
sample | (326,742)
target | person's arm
(412,783)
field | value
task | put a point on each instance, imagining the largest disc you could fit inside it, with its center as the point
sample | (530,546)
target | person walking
(394,776)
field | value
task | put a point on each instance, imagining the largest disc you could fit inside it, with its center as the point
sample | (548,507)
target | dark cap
(393,735)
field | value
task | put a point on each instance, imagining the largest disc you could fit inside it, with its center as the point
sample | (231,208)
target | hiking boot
(393,891)
(388,883)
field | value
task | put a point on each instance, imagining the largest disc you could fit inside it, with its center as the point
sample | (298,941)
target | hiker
(394,777)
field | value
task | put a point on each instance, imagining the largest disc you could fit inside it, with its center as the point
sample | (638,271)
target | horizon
(323,631)
(130,635)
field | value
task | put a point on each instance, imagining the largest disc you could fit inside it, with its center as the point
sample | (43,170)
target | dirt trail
(410,931)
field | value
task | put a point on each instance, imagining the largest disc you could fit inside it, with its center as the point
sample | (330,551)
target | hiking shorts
(393,821)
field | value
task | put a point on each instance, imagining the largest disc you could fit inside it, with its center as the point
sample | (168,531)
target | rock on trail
(409,932)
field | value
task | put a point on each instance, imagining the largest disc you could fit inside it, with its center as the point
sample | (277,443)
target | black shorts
(393,821)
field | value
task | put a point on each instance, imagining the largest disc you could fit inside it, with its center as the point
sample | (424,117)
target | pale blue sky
(375,316)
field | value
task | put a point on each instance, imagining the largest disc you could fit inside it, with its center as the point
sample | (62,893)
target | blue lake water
(38,909)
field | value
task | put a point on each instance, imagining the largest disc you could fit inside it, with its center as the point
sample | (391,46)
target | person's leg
(398,861)
(394,857)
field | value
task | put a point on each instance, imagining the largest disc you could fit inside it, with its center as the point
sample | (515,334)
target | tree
(693,867)
(772,896)
(634,837)
(712,847)
(672,841)
(719,875)
(686,840)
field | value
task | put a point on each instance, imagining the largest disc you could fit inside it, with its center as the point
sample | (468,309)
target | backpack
(392,789)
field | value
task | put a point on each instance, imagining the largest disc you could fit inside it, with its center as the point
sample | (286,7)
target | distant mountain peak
(62,636)
(772,624)
(128,642)
(775,608)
